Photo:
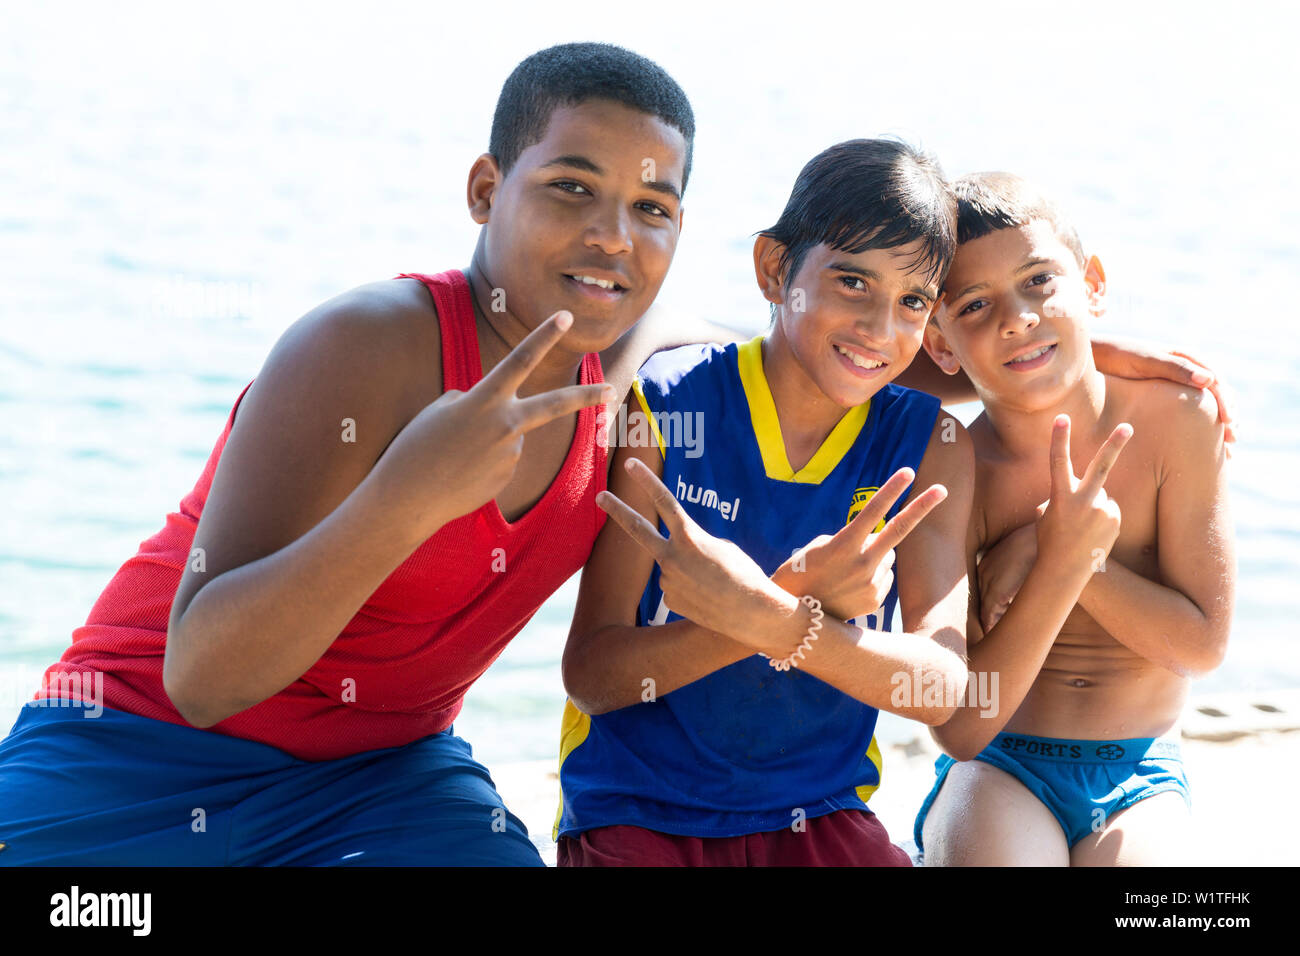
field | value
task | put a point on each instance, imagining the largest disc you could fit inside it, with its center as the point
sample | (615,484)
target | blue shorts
(123,790)
(1077,778)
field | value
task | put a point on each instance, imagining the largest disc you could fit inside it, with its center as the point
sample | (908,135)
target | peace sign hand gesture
(1081,522)
(708,580)
(851,571)
(460,450)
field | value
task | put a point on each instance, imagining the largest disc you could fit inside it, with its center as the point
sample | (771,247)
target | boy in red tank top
(280,665)
(377,520)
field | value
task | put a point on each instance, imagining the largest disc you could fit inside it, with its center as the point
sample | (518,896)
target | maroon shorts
(842,838)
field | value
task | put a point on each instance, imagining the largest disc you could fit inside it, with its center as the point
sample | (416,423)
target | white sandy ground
(1242,796)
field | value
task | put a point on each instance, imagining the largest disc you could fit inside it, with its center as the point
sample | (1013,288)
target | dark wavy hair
(987,202)
(869,194)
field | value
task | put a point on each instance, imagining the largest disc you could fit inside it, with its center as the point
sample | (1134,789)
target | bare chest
(1009,492)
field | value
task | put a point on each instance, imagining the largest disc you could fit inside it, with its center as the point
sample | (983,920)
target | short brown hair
(987,202)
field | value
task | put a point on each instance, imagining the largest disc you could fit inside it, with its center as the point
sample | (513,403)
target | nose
(1017,318)
(876,324)
(610,229)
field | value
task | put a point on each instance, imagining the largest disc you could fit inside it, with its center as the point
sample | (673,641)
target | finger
(873,512)
(633,523)
(992,616)
(1219,391)
(887,559)
(664,501)
(1095,475)
(1062,469)
(1203,376)
(537,410)
(903,523)
(512,370)
(1194,371)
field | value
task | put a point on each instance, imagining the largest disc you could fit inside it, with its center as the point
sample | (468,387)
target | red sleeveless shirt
(417,643)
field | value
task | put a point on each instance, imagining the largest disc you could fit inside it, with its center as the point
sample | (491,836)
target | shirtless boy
(1122,583)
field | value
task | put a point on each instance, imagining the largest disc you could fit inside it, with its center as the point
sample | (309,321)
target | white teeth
(1032,355)
(588,280)
(858,360)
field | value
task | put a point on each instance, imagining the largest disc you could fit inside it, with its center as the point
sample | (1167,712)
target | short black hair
(573,73)
(869,194)
(987,202)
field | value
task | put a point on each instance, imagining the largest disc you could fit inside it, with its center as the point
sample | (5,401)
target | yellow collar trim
(767,427)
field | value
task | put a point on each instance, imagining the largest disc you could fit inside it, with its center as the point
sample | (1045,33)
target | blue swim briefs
(123,790)
(1074,778)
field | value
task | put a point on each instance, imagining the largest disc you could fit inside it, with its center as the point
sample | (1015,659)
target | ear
(1094,276)
(767,268)
(938,348)
(484,177)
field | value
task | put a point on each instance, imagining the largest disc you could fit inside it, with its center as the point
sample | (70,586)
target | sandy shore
(1241,795)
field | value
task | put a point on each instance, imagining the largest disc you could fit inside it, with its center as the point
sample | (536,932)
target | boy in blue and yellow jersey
(723,688)
(1115,610)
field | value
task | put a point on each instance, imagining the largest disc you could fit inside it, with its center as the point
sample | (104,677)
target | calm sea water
(177,188)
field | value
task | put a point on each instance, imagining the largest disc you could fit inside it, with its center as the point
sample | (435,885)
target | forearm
(1012,654)
(253,630)
(621,665)
(924,376)
(1155,621)
(911,675)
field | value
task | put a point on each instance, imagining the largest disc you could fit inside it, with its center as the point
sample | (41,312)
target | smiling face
(1015,315)
(586,220)
(853,322)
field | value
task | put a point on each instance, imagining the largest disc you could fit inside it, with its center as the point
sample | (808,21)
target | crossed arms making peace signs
(733,610)
(709,579)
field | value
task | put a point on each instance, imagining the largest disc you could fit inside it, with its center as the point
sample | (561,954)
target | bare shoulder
(1174,421)
(1156,399)
(335,389)
(387,317)
(950,451)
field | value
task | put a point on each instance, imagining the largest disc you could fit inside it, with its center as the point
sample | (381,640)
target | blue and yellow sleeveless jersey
(746,748)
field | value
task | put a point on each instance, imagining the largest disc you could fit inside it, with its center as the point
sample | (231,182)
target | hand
(1003,570)
(851,571)
(460,450)
(1222,395)
(1127,359)
(1081,522)
(708,580)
